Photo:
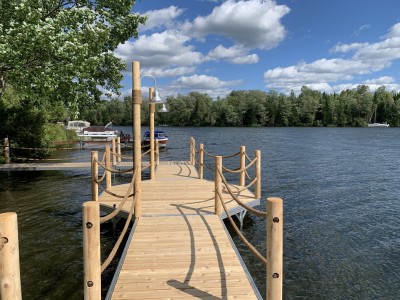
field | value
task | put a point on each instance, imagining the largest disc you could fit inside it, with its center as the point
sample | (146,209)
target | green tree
(63,50)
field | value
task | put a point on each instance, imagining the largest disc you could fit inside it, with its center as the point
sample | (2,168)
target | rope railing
(226,156)
(240,170)
(237,200)
(91,241)
(111,256)
(240,235)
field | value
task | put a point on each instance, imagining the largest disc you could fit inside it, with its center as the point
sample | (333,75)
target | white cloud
(367,58)
(251,23)
(161,18)
(234,54)
(167,50)
(201,82)
(347,47)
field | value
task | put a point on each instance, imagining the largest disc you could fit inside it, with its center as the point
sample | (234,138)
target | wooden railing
(273,215)
(91,238)
(10,280)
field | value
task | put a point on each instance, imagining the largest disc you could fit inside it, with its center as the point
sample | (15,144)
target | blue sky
(215,47)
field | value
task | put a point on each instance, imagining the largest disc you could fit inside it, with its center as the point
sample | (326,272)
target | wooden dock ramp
(179,249)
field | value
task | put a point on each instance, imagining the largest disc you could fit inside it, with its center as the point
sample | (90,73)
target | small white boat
(77,125)
(378,125)
(99,132)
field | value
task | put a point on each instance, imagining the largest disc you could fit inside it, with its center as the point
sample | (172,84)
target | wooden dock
(179,249)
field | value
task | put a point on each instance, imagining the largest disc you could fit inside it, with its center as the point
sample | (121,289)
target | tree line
(350,108)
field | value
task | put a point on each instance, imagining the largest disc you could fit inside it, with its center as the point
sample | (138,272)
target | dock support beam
(192,151)
(242,179)
(201,161)
(119,159)
(157,153)
(257,174)
(10,279)
(137,150)
(91,250)
(7,150)
(218,185)
(114,151)
(152,109)
(274,248)
(95,176)
(108,166)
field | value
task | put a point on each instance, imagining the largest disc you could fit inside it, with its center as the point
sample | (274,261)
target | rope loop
(3,241)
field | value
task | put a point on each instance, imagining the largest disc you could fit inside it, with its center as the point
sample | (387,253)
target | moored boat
(378,125)
(158,135)
(99,132)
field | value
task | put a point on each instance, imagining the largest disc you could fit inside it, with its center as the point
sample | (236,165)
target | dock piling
(274,248)
(10,279)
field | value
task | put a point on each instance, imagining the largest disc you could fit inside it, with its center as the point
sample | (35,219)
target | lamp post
(137,152)
(154,97)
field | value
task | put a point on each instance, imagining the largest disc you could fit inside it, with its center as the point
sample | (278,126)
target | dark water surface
(341,211)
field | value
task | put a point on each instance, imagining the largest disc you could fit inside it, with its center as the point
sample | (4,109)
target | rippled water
(341,211)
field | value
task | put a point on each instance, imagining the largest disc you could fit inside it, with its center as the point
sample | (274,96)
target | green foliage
(62,51)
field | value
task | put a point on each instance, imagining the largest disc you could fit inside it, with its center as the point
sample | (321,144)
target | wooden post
(157,153)
(108,166)
(218,184)
(242,180)
(7,150)
(95,176)
(10,279)
(194,151)
(152,108)
(91,250)
(119,159)
(114,156)
(201,161)
(274,248)
(257,174)
(137,152)
(190,150)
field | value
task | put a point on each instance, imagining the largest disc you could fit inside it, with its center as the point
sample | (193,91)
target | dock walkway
(178,248)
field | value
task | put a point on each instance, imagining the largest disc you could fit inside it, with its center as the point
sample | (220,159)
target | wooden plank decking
(179,248)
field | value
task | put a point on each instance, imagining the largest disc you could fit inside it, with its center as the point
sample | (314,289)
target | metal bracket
(240,217)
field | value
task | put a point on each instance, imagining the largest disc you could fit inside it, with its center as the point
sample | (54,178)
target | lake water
(340,188)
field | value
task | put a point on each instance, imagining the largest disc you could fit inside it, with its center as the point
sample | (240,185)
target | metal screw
(90,283)
(275,220)
(275,275)
(89,225)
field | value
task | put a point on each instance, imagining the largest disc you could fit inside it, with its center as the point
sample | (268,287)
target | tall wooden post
(274,248)
(201,161)
(152,108)
(242,178)
(114,151)
(10,279)
(257,174)
(95,176)
(119,159)
(91,250)
(191,151)
(108,166)
(137,150)
(157,153)
(218,184)
(7,150)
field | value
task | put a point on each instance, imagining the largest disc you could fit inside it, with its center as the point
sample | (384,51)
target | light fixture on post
(163,109)
(154,97)
(157,98)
